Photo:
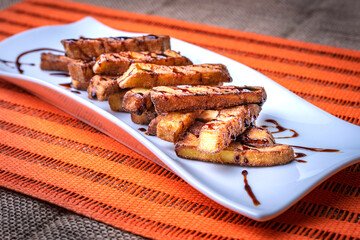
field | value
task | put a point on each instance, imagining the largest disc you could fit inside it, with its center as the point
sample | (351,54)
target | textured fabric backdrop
(328,22)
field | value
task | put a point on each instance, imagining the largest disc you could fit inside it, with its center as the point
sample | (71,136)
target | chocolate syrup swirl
(18,64)
(280,129)
(294,135)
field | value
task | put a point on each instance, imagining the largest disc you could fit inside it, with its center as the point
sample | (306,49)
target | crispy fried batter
(238,152)
(171,125)
(229,123)
(150,75)
(187,98)
(89,48)
(81,73)
(207,115)
(145,118)
(137,100)
(256,137)
(101,87)
(116,100)
(54,62)
(153,125)
(117,63)
(79,85)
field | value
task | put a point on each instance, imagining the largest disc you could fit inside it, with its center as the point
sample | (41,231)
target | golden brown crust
(137,100)
(150,75)
(116,100)
(238,152)
(80,85)
(81,73)
(188,98)
(153,125)
(89,48)
(229,123)
(54,62)
(145,118)
(207,115)
(117,63)
(101,87)
(256,137)
(171,125)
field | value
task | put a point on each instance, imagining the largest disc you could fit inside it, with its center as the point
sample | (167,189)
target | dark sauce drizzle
(300,155)
(249,190)
(6,62)
(64,74)
(316,149)
(65,85)
(142,129)
(280,129)
(295,134)
(68,86)
(18,64)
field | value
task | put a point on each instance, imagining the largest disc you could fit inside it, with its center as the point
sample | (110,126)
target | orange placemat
(50,155)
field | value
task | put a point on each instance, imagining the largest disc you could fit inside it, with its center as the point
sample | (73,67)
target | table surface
(328,22)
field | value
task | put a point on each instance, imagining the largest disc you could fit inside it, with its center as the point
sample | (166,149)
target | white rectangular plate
(276,188)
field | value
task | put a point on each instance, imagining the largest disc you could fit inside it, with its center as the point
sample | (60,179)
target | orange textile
(53,156)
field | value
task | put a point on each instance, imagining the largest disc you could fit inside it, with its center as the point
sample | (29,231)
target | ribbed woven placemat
(50,155)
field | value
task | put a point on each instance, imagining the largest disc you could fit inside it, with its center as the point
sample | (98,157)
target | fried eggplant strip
(188,98)
(145,118)
(207,115)
(170,126)
(137,100)
(81,72)
(116,100)
(239,152)
(89,48)
(117,63)
(101,87)
(229,123)
(54,62)
(150,75)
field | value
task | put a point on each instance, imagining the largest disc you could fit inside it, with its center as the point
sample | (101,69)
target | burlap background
(328,22)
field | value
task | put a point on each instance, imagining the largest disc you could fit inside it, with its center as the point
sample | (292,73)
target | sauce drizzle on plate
(18,64)
(248,189)
(63,74)
(280,129)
